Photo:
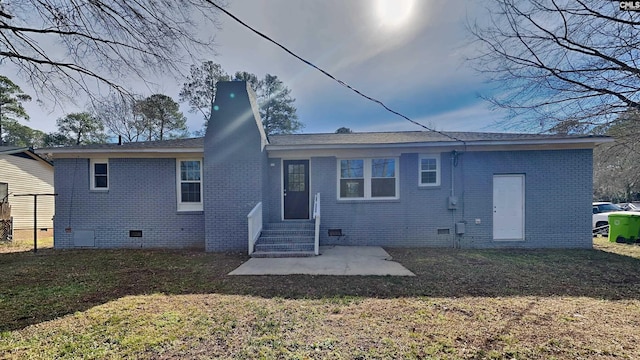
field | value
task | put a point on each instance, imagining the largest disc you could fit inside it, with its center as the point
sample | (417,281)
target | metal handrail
(316,216)
(254,220)
(602,230)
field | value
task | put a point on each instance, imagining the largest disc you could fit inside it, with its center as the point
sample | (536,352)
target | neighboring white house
(24,172)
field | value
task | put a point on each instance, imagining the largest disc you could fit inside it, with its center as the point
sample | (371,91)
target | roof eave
(29,151)
(578,141)
(14,151)
(67,151)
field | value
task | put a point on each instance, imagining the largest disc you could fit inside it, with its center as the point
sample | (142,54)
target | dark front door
(296,189)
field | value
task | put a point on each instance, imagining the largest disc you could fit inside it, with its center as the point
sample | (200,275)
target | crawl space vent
(335,232)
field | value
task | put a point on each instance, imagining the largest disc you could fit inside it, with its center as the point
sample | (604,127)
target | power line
(329,75)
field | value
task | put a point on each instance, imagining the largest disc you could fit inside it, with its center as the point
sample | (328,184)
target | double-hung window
(189,176)
(99,174)
(368,178)
(351,179)
(429,168)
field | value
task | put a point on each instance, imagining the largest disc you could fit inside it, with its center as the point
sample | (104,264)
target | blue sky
(408,54)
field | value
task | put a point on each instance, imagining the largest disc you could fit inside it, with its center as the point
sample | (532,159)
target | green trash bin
(624,227)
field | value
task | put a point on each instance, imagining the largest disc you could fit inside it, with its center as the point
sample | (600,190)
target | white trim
(586,140)
(114,150)
(121,155)
(188,206)
(316,217)
(398,151)
(27,151)
(282,160)
(254,220)
(436,157)
(282,189)
(367,179)
(92,179)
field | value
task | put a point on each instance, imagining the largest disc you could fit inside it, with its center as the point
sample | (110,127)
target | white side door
(508,207)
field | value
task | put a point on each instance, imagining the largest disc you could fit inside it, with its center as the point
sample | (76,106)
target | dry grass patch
(603,244)
(211,325)
(25,245)
(463,304)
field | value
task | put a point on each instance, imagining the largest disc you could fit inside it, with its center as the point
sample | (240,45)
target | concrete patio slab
(333,260)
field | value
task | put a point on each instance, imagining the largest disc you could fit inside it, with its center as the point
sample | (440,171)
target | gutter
(579,141)
(61,151)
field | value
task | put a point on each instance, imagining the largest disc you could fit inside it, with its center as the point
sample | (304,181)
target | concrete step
(282,254)
(284,247)
(290,225)
(287,232)
(285,239)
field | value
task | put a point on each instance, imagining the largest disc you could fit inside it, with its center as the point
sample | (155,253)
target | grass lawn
(463,304)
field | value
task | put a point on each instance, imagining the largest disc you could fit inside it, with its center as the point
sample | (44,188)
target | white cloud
(477,117)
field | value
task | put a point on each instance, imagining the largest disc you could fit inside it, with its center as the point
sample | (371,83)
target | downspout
(452,200)
(454,203)
(453,155)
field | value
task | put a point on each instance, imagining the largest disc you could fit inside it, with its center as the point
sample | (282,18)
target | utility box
(624,227)
(460,228)
(84,238)
(452,202)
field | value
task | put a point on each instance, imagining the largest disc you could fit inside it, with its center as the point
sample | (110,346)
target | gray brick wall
(235,167)
(558,188)
(141,196)
(558,195)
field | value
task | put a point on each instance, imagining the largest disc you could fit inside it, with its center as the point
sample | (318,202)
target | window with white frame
(429,168)
(368,178)
(189,176)
(99,174)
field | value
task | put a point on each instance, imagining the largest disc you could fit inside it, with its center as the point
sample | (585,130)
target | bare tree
(66,47)
(119,116)
(135,118)
(555,61)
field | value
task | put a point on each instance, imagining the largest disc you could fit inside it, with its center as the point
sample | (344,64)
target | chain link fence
(6,231)
(6,223)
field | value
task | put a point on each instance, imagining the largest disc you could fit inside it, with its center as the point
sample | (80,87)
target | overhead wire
(309,63)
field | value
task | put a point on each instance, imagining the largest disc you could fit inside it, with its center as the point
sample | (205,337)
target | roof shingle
(158,144)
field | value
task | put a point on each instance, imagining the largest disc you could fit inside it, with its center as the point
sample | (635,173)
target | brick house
(236,189)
